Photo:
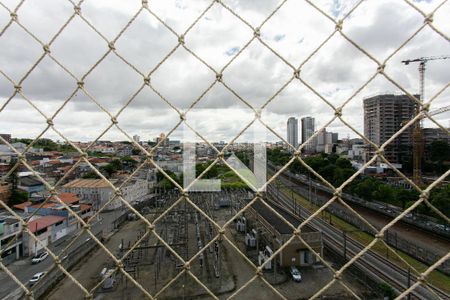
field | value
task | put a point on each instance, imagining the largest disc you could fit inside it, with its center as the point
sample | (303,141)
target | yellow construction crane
(418,144)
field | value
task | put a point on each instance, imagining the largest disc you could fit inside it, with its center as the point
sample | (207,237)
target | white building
(98,192)
(356,153)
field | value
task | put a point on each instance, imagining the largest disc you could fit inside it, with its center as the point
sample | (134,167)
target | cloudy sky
(336,71)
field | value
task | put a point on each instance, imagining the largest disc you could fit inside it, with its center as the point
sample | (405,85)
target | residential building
(308,129)
(92,191)
(5,192)
(292,131)
(47,229)
(30,184)
(334,137)
(324,141)
(384,115)
(356,152)
(10,241)
(163,139)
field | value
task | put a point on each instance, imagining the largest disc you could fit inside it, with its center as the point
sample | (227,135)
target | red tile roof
(84,207)
(22,206)
(46,205)
(68,198)
(44,222)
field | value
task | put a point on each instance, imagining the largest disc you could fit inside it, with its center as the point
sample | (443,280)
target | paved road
(24,270)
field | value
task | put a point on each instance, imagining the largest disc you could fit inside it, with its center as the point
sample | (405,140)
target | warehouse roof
(87,183)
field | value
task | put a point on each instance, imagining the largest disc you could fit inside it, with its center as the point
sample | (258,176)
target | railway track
(375,265)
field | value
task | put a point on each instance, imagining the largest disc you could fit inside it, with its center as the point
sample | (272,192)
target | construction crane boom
(418,144)
(425,59)
(437,111)
(434,112)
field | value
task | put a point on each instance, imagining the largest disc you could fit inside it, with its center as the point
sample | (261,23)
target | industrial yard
(219,265)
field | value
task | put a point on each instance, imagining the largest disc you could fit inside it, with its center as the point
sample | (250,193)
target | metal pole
(344,233)
(310,188)
(409,282)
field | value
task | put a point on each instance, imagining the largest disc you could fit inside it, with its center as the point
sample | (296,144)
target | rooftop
(277,223)
(87,183)
(68,198)
(44,222)
(30,181)
(22,206)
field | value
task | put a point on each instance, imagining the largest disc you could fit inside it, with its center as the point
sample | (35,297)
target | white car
(36,278)
(39,257)
(295,273)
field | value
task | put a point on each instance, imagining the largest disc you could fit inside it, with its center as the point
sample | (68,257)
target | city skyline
(225,115)
(238,149)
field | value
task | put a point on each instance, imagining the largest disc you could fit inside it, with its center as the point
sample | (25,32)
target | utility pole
(344,235)
(409,282)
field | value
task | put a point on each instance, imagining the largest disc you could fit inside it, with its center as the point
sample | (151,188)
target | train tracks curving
(376,266)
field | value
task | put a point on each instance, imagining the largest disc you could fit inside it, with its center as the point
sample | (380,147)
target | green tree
(440,198)
(387,290)
(136,151)
(111,168)
(384,193)
(439,153)
(405,196)
(90,175)
(16,196)
(164,182)
(128,162)
(343,163)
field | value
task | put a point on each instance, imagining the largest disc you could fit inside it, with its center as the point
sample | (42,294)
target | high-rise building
(384,115)
(136,138)
(292,131)
(334,137)
(324,141)
(308,128)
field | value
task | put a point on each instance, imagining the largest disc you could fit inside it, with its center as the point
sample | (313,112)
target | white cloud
(297,29)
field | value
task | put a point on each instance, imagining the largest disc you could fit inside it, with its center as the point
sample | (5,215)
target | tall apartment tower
(308,129)
(384,115)
(292,131)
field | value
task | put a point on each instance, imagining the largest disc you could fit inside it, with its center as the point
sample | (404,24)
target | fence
(419,287)
(392,238)
(426,222)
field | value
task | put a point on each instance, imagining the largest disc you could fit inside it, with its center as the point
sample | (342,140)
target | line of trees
(337,170)
(116,165)
(229,179)
(47,145)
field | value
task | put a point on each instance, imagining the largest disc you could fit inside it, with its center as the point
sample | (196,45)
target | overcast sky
(336,71)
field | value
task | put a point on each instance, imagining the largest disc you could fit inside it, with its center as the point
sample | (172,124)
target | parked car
(36,278)
(39,257)
(295,274)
